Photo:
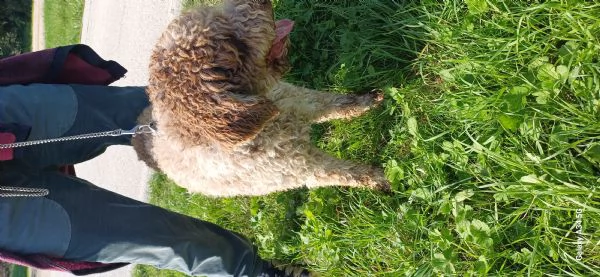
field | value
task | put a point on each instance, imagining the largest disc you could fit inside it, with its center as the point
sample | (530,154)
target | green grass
(490,135)
(186,4)
(18,271)
(62,22)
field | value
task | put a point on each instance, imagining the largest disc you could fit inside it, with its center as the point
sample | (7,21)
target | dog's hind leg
(317,106)
(330,171)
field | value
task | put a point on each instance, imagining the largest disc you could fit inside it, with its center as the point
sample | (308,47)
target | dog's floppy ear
(241,117)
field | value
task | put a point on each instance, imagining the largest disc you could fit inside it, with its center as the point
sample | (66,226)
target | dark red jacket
(74,64)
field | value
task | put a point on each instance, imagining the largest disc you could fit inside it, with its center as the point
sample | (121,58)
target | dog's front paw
(376,180)
(377,95)
(371,98)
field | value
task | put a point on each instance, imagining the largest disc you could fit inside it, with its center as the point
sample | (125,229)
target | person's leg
(80,221)
(99,109)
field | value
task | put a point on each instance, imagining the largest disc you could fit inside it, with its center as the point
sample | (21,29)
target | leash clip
(139,130)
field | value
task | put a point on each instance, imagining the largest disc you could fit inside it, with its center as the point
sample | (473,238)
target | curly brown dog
(227,123)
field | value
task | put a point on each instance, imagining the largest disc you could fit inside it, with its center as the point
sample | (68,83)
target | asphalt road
(38,37)
(124,31)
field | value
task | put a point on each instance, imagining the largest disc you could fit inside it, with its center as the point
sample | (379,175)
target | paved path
(38,40)
(124,31)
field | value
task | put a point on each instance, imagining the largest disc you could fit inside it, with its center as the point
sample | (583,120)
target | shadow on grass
(351,45)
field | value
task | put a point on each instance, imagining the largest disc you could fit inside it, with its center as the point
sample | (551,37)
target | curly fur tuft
(215,57)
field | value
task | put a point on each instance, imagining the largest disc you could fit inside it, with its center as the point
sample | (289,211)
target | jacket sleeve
(78,268)
(73,64)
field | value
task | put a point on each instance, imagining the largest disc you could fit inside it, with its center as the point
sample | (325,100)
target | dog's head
(262,42)
(212,67)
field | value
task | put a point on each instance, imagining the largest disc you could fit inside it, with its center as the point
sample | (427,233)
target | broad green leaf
(412,126)
(465,194)
(442,263)
(393,171)
(553,254)
(593,152)
(522,257)
(519,90)
(445,207)
(424,270)
(501,196)
(563,73)
(309,215)
(567,51)
(508,122)
(574,74)
(371,70)
(515,100)
(481,266)
(538,62)
(549,84)
(447,146)
(547,72)
(447,234)
(531,178)
(395,94)
(463,228)
(542,96)
(423,193)
(479,225)
(447,75)
(305,239)
(439,257)
(477,6)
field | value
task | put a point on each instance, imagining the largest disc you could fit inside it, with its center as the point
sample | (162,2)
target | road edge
(38,34)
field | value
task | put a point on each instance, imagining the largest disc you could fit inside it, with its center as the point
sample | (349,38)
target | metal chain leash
(6,191)
(22,192)
(140,129)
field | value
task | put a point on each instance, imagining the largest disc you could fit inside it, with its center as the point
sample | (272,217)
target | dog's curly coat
(227,124)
